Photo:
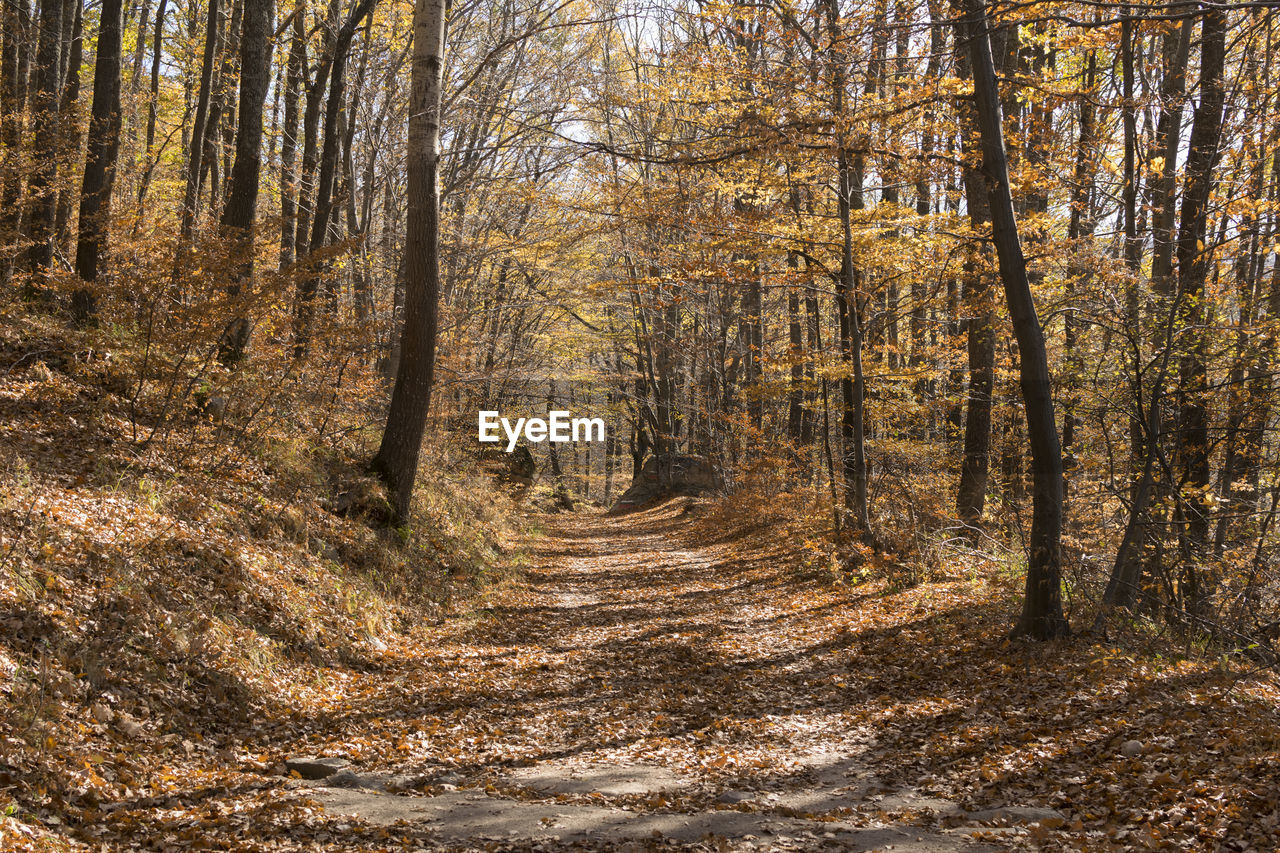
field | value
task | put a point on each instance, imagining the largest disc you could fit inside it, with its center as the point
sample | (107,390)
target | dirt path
(640,692)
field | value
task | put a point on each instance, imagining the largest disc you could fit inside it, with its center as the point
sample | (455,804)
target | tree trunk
(1193,258)
(397,457)
(853,384)
(238,215)
(1042,606)
(979,322)
(795,392)
(100,164)
(195,157)
(1079,228)
(328,169)
(16,17)
(153,102)
(47,136)
(73,58)
(1177,49)
(289,142)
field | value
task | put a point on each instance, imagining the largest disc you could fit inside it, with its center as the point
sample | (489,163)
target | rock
(667,475)
(312,767)
(733,798)
(348,779)
(1131,748)
(405,782)
(1019,814)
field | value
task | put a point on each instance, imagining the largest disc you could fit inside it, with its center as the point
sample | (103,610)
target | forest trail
(641,691)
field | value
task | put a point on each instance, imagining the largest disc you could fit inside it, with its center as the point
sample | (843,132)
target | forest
(935,345)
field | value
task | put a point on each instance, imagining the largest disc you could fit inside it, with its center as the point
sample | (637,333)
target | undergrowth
(172,573)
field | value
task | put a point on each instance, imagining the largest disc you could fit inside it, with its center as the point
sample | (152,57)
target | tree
(1042,616)
(397,457)
(195,156)
(979,320)
(328,166)
(100,165)
(45,118)
(239,214)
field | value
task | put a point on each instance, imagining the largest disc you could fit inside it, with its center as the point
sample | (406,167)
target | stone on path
(314,767)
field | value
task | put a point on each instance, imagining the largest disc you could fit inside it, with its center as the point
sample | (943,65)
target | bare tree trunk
(153,102)
(195,157)
(100,164)
(73,58)
(310,132)
(795,391)
(1193,258)
(104,138)
(239,214)
(852,385)
(328,169)
(16,18)
(397,457)
(1042,605)
(979,322)
(294,72)
(47,137)
(1177,48)
(1079,227)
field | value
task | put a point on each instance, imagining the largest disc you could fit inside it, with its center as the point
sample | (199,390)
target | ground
(671,680)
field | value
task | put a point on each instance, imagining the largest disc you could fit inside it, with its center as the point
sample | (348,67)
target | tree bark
(1042,605)
(238,215)
(979,322)
(13,99)
(328,169)
(853,384)
(46,125)
(73,59)
(1193,258)
(289,139)
(153,103)
(1079,228)
(397,457)
(195,158)
(100,163)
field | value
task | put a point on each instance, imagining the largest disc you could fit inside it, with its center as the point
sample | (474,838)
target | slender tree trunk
(195,157)
(1042,606)
(100,165)
(310,133)
(1177,50)
(239,213)
(1193,258)
(795,392)
(1079,229)
(153,102)
(979,322)
(328,169)
(47,138)
(289,139)
(73,58)
(13,100)
(853,383)
(397,457)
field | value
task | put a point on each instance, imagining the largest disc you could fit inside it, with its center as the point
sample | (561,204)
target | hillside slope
(167,583)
